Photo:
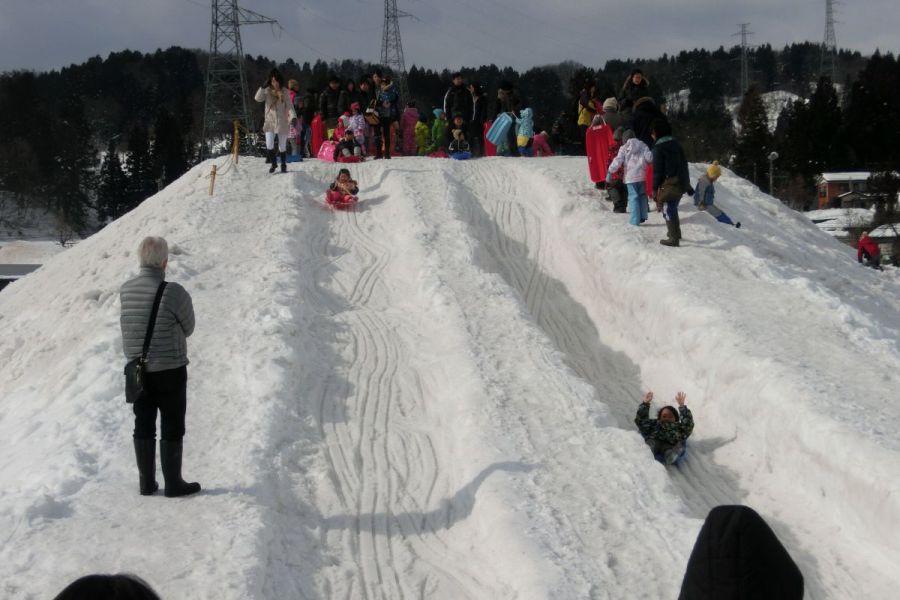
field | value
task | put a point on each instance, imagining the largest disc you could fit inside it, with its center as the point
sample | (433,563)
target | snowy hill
(433,396)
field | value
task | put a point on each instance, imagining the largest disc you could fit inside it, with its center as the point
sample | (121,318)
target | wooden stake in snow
(212,180)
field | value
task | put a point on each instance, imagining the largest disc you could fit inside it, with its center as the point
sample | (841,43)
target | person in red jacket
(867,249)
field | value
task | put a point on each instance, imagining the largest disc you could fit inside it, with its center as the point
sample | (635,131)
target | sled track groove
(386,477)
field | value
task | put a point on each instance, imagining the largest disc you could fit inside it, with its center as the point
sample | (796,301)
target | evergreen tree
(753,139)
(112,187)
(139,167)
(168,151)
(705,128)
(71,183)
(873,113)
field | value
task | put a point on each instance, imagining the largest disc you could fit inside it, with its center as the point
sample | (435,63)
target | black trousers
(476,139)
(166,392)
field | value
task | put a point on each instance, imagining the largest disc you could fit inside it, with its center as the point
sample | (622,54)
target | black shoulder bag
(134,370)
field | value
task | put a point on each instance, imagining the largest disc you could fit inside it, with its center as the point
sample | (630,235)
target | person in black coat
(328,102)
(348,96)
(737,556)
(643,114)
(476,126)
(458,99)
(635,88)
(670,177)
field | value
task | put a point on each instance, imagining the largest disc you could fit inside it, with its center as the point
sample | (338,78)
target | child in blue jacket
(705,195)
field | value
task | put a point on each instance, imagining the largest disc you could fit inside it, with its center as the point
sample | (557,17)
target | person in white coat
(635,155)
(278,117)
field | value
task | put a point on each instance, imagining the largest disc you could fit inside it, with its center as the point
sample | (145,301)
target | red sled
(350,159)
(340,201)
(439,154)
(318,134)
(597,140)
(489,148)
(326,151)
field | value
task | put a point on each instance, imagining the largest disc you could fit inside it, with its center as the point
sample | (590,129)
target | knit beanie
(610,104)
(714,171)
(437,113)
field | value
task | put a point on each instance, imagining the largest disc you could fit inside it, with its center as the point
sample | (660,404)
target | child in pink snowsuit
(540,146)
(408,128)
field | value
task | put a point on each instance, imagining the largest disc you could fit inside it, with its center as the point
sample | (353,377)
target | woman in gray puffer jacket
(165,379)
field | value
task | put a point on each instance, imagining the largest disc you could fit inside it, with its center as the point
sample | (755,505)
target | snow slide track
(384,474)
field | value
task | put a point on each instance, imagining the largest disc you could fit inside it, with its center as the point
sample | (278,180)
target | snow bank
(432,396)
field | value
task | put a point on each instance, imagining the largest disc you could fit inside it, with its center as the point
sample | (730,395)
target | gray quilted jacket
(174,323)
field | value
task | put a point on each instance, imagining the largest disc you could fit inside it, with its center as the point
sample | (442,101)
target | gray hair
(153,252)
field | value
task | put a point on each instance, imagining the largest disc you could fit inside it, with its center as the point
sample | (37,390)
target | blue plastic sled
(292,158)
(497,132)
(461,155)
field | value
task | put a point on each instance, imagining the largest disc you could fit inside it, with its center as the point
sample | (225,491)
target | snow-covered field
(432,396)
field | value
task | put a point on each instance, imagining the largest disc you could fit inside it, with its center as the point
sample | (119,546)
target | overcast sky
(48,34)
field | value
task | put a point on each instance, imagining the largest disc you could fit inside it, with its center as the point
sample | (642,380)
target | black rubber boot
(170,459)
(672,240)
(145,453)
(273,162)
(283,162)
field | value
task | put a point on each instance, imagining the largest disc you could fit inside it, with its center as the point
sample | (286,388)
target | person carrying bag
(156,319)
(135,369)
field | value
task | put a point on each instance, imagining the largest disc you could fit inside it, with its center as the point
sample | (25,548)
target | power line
(226,84)
(828,65)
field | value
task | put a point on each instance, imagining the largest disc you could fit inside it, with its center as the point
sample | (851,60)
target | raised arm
(642,419)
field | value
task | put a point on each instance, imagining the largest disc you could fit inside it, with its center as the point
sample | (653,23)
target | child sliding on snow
(635,155)
(668,433)
(343,191)
(705,195)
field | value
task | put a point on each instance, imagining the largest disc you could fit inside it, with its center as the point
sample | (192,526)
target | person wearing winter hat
(705,194)
(667,434)
(611,115)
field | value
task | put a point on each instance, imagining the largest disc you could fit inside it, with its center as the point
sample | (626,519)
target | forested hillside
(145,112)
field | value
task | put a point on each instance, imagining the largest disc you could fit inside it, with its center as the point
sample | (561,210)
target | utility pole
(227,99)
(829,46)
(745,66)
(392,46)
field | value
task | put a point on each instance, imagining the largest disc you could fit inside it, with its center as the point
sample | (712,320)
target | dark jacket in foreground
(738,557)
(669,161)
(174,323)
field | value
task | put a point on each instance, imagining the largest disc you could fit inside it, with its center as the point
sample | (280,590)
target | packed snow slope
(432,396)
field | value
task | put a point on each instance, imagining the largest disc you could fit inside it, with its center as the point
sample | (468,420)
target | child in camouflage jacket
(668,433)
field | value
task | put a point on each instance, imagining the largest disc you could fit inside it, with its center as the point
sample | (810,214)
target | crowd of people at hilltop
(371,109)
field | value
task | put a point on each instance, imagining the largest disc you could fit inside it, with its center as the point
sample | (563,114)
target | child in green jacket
(438,131)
